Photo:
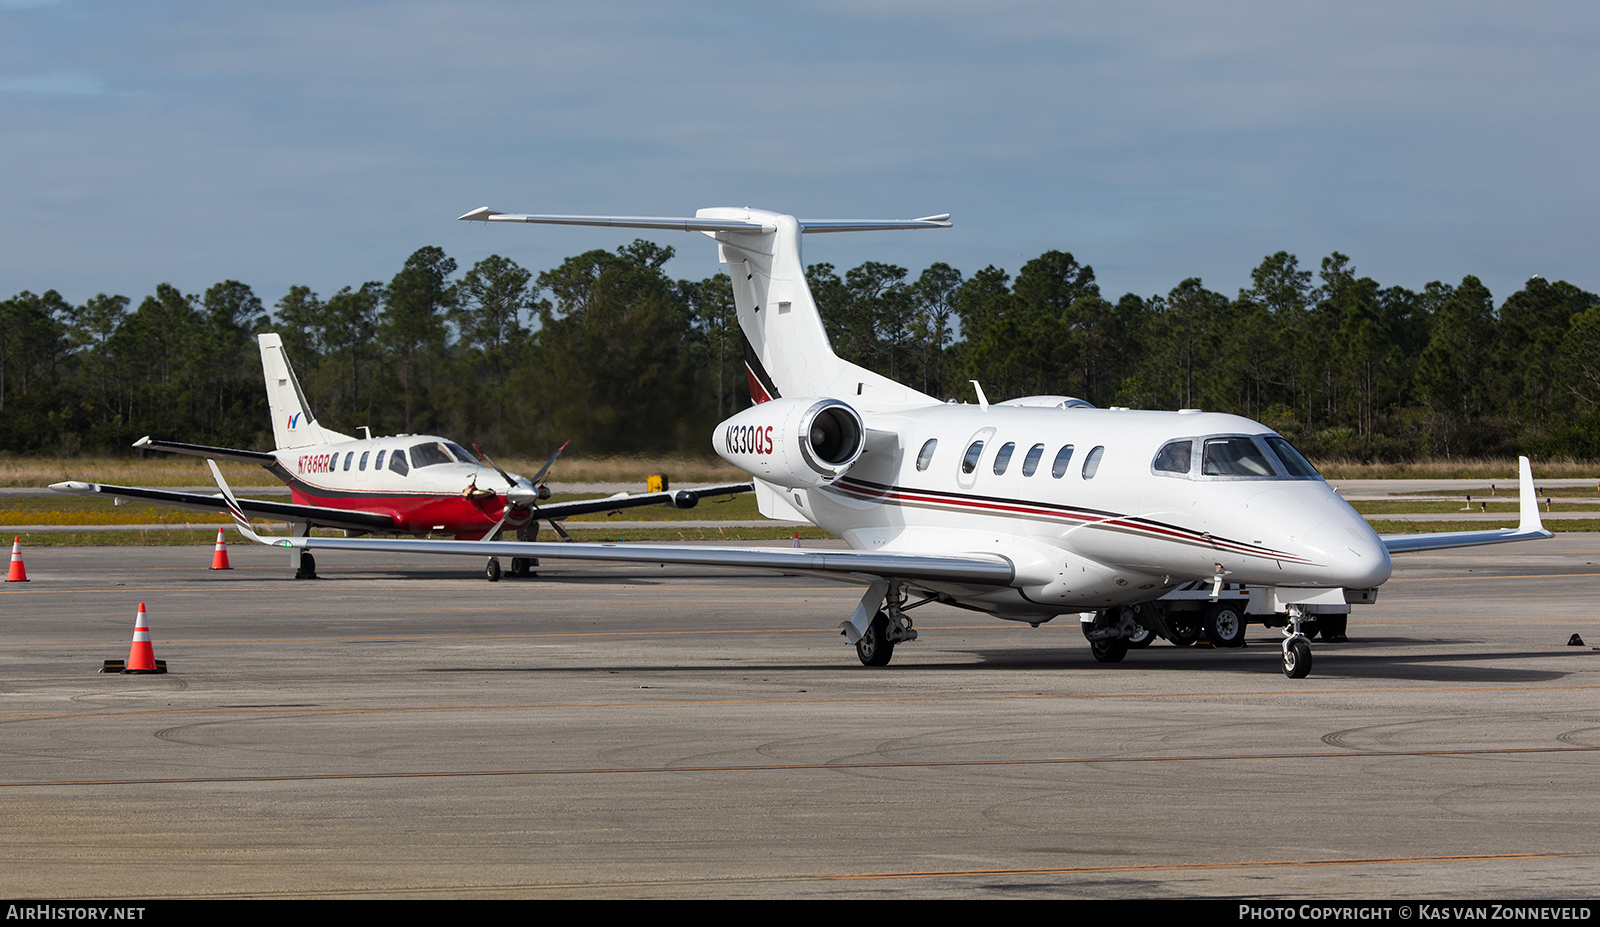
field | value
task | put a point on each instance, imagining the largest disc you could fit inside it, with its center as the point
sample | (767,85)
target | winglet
(1530,502)
(481,214)
(239,517)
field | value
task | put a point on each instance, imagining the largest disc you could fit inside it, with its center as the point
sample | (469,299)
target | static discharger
(141,655)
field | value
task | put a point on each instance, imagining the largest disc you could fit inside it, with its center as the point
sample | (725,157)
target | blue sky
(321,143)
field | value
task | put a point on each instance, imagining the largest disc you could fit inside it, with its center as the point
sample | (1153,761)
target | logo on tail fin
(294,420)
(762,388)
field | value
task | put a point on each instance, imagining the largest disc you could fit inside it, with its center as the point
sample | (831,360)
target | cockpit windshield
(461,453)
(429,453)
(1233,457)
(1297,465)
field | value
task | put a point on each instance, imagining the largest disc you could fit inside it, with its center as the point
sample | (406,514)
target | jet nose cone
(1362,562)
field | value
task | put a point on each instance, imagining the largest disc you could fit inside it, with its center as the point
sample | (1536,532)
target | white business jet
(1026,509)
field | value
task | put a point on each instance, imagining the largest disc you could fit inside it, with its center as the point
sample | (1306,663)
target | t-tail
(787,353)
(293,425)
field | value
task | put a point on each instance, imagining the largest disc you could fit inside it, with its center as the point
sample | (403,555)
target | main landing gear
(520,567)
(889,624)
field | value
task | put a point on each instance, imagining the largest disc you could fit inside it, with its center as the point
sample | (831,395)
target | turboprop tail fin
(293,425)
(787,352)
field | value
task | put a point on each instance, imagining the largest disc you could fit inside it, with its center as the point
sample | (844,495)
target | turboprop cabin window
(377,463)
(1003,458)
(925,456)
(428,454)
(969,463)
(1030,463)
(362,463)
(349,457)
(1091,464)
(1175,457)
(397,463)
(1063,458)
(1235,457)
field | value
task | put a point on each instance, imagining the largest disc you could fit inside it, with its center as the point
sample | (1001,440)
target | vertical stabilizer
(293,425)
(787,352)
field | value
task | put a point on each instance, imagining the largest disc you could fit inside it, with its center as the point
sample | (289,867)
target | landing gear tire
(1142,637)
(521,566)
(1183,630)
(492,571)
(875,648)
(308,567)
(1111,650)
(1225,625)
(1297,659)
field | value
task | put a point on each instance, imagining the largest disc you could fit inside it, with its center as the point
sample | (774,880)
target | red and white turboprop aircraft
(401,484)
(1134,522)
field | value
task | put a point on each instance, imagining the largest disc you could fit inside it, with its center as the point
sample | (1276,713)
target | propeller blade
(546,468)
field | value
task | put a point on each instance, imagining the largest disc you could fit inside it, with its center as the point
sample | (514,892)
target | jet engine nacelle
(799,443)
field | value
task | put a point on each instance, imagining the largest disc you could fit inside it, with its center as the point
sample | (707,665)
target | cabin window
(362,464)
(377,463)
(1176,457)
(428,454)
(1030,463)
(969,463)
(1292,461)
(397,463)
(1235,457)
(1091,463)
(1003,458)
(348,458)
(925,456)
(1063,458)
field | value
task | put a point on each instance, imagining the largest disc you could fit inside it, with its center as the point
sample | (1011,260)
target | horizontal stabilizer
(200,450)
(710,224)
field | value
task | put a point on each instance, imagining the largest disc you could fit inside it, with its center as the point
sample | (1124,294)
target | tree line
(609,351)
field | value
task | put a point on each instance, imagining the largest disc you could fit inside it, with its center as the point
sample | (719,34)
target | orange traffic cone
(141,655)
(219,560)
(18,573)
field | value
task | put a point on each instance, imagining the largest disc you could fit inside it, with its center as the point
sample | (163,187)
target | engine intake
(800,443)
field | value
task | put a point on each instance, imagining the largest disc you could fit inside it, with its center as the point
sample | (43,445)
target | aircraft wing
(977,569)
(677,498)
(983,570)
(1531,529)
(254,508)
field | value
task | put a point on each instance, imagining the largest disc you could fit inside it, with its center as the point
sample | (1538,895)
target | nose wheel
(1296,649)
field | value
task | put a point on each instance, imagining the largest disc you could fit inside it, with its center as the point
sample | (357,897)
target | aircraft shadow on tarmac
(1259,659)
(1333,662)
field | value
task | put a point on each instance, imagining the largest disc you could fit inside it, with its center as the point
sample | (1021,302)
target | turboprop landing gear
(1296,649)
(491,572)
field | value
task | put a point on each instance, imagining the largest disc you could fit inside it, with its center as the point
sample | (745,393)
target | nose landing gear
(1296,648)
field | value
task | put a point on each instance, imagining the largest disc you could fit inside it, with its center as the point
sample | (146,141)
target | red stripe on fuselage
(893,495)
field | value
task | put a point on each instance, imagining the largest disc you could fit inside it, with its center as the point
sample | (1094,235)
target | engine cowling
(800,443)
